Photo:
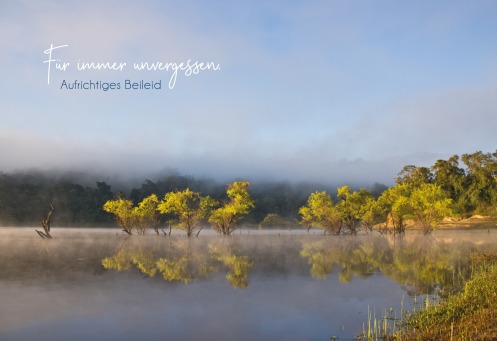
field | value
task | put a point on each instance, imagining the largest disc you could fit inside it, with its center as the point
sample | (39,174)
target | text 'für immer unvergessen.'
(188,68)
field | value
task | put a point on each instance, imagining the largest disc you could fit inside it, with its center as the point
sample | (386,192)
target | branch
(45,223)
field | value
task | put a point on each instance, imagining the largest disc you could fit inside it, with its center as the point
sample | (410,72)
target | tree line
(459,187)
(184,209)
(25,197)
(421,195)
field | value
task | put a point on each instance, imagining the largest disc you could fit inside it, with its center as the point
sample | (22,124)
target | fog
(285,105)
(125,166)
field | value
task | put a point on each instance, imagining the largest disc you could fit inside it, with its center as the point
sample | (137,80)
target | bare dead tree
(170,228)
(45,223)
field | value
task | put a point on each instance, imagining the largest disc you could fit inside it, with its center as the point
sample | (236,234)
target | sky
(330,91)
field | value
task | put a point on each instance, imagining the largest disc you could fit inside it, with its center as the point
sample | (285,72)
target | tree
(395,206)
(189,207)
(273,220)
(482,179)
(453,181)
(430,205)
(45,223)
(377,189)
(320,212)
(414,175)
(239,203)
(352,206)
(146,214)
(122,209)
(370,213)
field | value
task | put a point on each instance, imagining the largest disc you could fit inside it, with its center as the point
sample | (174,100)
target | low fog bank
(125,183)
(25,196)
(125,168)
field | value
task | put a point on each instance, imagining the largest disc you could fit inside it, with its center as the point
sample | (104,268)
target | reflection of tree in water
(185,264)
(182,260)
(347,255)
(238,266)
(425,264)
(181,263)
(421,265)
(127,256)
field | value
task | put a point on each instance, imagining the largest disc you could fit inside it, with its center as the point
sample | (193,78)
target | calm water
(102,285)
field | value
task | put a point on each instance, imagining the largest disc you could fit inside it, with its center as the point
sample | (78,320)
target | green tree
(482,179)
(322,213)
(239,203)
(189,207)
(430,205)
(452,179)
(273,220)
(371,213)
(395,206)
(146,214)
(352,206)
(415,176)
(122,209)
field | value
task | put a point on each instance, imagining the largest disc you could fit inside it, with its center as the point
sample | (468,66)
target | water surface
(101,284)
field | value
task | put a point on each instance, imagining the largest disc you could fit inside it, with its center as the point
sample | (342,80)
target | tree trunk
(45,223)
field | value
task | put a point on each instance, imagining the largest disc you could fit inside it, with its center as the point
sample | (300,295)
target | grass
(470,314)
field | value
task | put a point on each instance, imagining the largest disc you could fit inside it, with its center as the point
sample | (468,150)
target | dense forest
(469,181)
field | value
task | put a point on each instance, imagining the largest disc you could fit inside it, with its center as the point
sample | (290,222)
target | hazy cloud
(327,91)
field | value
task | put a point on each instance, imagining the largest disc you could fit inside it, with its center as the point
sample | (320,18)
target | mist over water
(101,284)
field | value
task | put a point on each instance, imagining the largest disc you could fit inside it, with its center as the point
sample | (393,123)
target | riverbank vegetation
(466,314)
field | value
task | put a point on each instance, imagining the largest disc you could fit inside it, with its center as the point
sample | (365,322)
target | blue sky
(331,91)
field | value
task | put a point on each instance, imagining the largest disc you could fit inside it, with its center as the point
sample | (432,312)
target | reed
(469,314)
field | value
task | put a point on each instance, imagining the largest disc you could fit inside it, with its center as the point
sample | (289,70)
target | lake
(100,284)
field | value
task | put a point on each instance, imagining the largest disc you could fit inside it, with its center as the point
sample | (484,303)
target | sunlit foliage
(352,211)
(239,203)
(353,207)
(430,205)
(122,209)
(190,208)
(146,214)
(321,212)
(395,207)
(140,218)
